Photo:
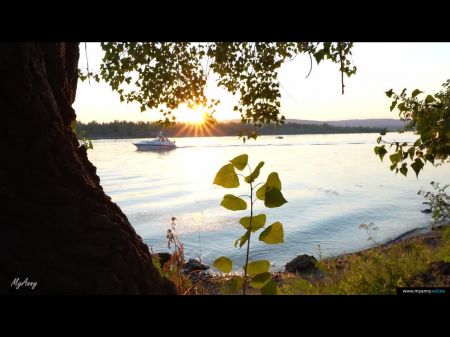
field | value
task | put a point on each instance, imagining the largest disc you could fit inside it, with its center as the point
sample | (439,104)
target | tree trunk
(57,226)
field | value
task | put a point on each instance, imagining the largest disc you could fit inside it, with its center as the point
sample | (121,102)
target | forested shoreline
(125,129)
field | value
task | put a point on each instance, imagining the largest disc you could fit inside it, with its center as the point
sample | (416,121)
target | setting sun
(194,115)
(197,121)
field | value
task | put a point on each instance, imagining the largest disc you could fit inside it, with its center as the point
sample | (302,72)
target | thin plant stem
(248,243)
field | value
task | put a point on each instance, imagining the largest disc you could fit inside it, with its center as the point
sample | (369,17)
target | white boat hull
(147,146)
(154,145)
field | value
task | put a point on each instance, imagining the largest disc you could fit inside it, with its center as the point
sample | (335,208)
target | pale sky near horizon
(381,66)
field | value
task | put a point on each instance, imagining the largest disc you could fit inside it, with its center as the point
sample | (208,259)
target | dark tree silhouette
(57,226)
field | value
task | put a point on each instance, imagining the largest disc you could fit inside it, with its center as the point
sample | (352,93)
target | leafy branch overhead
(163,75)
(429,118)
(270,193)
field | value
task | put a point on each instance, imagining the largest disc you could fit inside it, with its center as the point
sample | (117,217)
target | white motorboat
(159,143)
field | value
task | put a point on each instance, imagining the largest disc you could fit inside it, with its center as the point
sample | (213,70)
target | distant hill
(388,123)
(380,123)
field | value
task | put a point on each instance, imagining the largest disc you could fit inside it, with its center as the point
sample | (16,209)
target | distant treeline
(124,129)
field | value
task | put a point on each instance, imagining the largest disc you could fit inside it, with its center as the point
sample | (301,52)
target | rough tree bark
(57,226)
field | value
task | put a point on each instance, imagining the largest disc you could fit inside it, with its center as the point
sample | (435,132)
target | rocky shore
(307,267)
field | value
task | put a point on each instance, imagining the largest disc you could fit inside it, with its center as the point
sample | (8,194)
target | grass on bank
(379,270)
(375,271)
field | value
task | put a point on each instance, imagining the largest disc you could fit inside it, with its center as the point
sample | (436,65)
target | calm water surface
(332,183)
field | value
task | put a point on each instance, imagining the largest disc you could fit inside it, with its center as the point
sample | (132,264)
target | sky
(381,66)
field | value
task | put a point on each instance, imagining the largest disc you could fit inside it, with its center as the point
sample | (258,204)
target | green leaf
(243,239)
(258,267)
(274,198)
(404,170)
(273,181)
(402,107)
(257,222)
(380,151)
(416,92)
(260,280)
(430,157)
(273,234)
(319,55)
(240,162)
(417,166)
(378,140)
(411,152)
(389,93)
(394,103)
(235,285)
(393,157)
(261,192)
(396,157)
(403,154)
(271,288)
(255,174)
(227,177)
(233,203)
(224,264)
(429,99)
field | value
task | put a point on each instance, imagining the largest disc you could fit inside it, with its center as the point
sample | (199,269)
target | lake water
(332,183)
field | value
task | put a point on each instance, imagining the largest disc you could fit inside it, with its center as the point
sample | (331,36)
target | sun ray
(196,122)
